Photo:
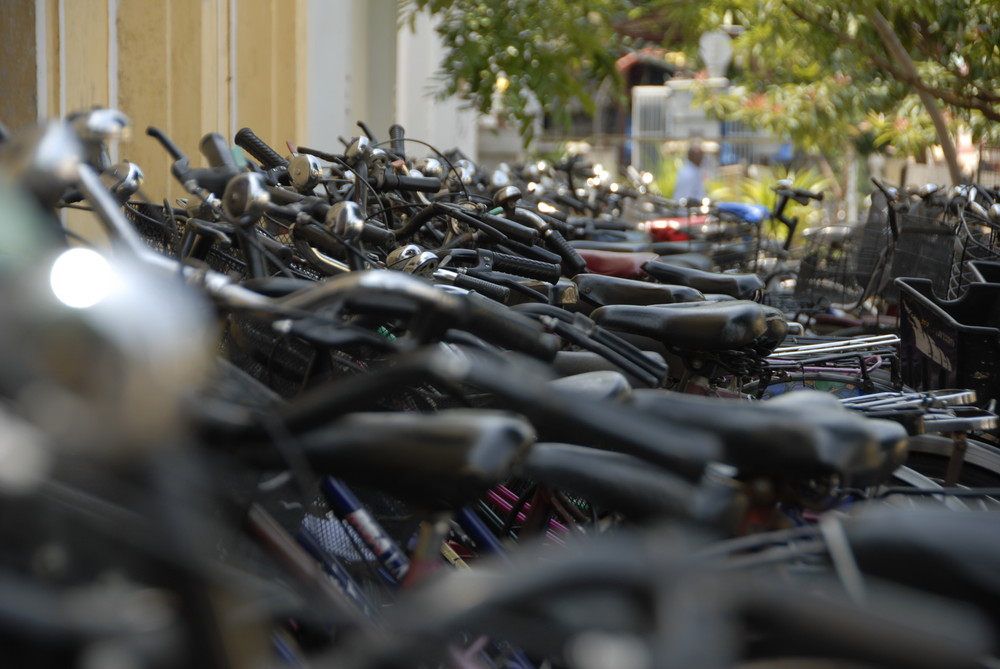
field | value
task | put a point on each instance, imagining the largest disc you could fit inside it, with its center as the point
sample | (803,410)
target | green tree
(908,73)
(514,56)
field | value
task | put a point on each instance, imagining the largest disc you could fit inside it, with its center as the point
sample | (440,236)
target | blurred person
(690,183)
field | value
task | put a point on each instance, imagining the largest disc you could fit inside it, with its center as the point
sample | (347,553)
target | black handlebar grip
(513,229)
(561,225)
(525,267)
(802,192)
(316,235)
(276,248)
(422,184)
(215,149)
(498,324)
(171,148)
(396,135)
(487,288)
(572,260)
(256,147)
(374,234)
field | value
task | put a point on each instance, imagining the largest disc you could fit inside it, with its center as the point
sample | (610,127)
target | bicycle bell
(359,150)
(345,220)
(413,260)
(245,198)
(499,179)
(465,171)
(979,210)
(123,179)
(429,167)
(507,197)
(305,171)
(994,213)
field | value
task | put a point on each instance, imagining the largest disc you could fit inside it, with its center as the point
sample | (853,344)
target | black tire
(929,455)
(841,385)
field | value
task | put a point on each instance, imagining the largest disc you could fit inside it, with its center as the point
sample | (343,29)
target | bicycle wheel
(840,385)
(930,454)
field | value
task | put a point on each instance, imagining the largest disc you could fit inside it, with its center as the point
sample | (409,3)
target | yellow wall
(166,63)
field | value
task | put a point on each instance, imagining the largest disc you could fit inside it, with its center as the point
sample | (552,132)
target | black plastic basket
(950,343)
(984,271)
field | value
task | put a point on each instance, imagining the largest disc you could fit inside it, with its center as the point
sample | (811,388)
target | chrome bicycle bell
(413,260)
(346,220)
(245,198)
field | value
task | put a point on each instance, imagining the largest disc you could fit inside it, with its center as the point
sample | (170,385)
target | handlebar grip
(487,288)
(422,184)
(396,143)
(802,192)
(498,324)
(279,250)
(573,261)
(513,229)
(316,235)
(525,267)
(161,137)
(374,234)
(215,149)
(561,225)
(256,147)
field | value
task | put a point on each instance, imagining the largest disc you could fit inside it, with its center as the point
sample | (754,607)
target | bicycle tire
(841,385)
(929,455)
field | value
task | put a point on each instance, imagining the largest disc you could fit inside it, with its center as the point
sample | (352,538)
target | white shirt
(690,183)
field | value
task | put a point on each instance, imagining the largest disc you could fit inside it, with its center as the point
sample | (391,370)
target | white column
(442,123)
(331,34)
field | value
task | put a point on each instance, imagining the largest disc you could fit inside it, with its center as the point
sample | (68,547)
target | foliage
(511,56)
(759,189)
(666,176)
(821,72)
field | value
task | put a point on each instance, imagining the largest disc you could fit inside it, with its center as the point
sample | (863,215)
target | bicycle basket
(160,233)
(976,241)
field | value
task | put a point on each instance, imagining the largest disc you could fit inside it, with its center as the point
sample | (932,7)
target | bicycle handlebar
(247,140)
(215,149)
(419,184)
(800,195)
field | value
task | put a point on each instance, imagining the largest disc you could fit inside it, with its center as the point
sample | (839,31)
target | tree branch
(981,103)
(902,57)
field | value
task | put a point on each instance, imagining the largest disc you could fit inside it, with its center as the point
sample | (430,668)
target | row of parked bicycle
(356,407)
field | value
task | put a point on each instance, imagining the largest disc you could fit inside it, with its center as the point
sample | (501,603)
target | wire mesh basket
(977,241)
(838,262)
(925,249)
(160,232)
(166,234)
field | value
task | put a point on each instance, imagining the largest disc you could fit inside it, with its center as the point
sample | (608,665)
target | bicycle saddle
(743,286)
(612,246)
(598,385)
(604,290)
(698,246)
(751,213)
(619,264)
(953,554)
(446,458)
(801,435)
(698,261)
(622,482)
(569,363)
(707,326)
